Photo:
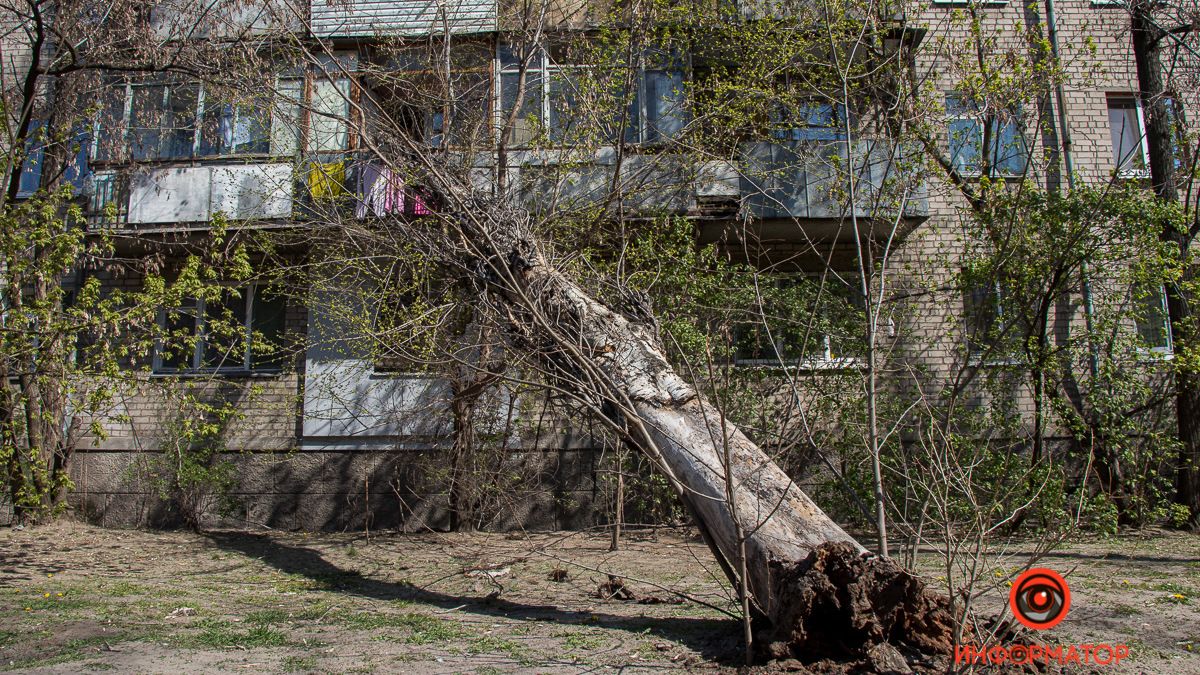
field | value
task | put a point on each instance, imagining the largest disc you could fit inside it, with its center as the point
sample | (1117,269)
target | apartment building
(332,435)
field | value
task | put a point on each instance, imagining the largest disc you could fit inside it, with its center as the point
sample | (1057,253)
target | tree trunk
(617,363)
(1147,35)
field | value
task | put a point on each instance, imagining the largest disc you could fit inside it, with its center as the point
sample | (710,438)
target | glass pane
(218,118)
(1008,156)
(224,342)
(251,130)
(285,117)
(266,350)
(145,119)
(1126,133)
(179,122)
(982,314)
(633,119)
(111,124)
(31,168)
(810,122)
(1152,320)
(563,99)
(966,137)
(665,113)
(178,345)
(328,119)
(529,116)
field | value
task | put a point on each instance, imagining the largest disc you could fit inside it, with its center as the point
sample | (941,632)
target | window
(992,333)
(143,121)
(239,332)
(656,109)
(234,129)
(1125,124)
(807,322)
(32,164)
(1008,154)
(408,323)
(810,121)
(1152,320)
(427,104)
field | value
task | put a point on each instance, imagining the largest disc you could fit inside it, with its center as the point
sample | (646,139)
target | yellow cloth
(328,180)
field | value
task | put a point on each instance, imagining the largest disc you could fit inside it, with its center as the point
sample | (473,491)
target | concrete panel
(173,195)
(253,191)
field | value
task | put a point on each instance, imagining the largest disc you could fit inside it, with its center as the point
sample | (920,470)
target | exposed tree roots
(842,611)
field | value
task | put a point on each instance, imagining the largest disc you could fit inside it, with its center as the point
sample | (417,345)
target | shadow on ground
(714,639)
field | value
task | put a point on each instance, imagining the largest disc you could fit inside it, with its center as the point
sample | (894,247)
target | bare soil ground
(75,598)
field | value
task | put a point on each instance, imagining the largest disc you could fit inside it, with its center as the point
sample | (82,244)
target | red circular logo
(1039,598)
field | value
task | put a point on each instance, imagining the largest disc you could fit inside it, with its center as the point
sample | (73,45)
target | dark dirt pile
(845,612)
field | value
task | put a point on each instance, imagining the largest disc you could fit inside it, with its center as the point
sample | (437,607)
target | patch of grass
(490,644)
(217,634)
(298,664)
(57,602)
(71,651)
(314,612)
(423,629)
(582,641)
(1175,593)
(8,637)
(268,617)
(299,583)
(1126,610)
(121,589)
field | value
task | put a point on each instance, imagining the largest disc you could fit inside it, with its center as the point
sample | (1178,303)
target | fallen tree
(816,591)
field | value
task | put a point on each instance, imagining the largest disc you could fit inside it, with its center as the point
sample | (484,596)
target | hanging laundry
(419,206)
(327,180)
(380,192)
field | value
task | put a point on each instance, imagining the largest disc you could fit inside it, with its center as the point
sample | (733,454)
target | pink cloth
(380,192)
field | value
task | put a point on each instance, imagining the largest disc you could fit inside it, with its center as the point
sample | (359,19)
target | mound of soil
(843,611)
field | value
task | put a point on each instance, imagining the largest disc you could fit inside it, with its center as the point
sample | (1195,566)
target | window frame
(1167,350)
(637,132)
(995,165)
(249,296)
(123,132)
(1143,143)
(978,354)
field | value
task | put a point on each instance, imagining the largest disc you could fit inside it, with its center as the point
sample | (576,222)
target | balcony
(809,179)
(178,197)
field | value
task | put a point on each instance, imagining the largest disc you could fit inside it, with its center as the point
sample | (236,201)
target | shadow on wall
(347,490)
(715,639)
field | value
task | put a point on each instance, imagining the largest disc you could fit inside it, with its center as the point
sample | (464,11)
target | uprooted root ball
(839,606)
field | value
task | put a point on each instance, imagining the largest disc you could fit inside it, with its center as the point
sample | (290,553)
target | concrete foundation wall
(344,490)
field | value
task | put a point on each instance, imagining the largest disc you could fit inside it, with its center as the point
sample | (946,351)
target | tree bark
(1147,34)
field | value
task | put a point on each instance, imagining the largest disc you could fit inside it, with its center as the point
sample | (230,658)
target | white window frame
(546,68)
(1124,172)
(127,89)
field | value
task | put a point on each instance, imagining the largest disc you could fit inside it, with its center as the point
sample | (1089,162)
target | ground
(75,598)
